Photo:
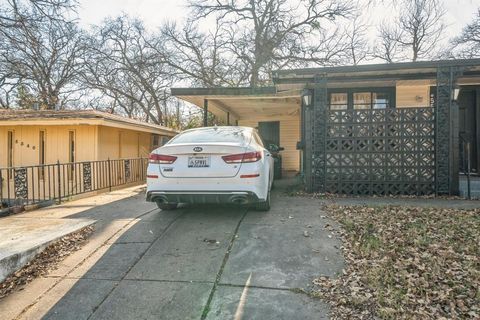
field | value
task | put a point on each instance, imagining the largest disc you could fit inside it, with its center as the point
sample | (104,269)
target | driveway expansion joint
(220,271)
(139,258)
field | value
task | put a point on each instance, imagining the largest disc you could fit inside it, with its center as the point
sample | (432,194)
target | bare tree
(356,41)
(387,47)
(14,12)
(39,52)
(414,34)
(467,44)
(122,66)
(266,34)
(200,57)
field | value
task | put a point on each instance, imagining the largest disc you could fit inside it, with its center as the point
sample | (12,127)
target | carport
(275,113)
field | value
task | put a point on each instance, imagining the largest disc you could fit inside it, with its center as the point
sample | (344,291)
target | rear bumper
(233,197)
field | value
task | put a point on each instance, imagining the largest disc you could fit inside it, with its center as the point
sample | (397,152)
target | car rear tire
(264,205)
(167,206)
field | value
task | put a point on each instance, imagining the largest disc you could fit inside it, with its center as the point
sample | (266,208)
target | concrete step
(22,238)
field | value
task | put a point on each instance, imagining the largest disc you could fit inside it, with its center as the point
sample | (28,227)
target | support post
(307,140)
(228,118)
(319,133)
(455,150)
(446,133)
(205,112)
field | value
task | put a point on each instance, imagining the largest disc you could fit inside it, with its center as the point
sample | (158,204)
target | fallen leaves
(45,261)
(406,263)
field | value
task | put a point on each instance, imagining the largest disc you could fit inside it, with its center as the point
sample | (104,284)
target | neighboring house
(399,128)
(31,137)
(108,151)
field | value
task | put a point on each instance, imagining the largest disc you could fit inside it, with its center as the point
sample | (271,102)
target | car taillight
(243,157)
(161,159)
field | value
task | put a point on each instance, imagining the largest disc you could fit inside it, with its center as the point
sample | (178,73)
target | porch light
(455,94)
(307,100)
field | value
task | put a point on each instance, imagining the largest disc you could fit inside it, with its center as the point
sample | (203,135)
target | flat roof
(57,117)
(383,66)
(390,71)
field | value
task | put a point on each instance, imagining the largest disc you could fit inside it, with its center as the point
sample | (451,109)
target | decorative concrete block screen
(378,152)
(383,151)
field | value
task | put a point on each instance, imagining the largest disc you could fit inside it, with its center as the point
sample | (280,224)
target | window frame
(72,153)
(390,91)
(10,148)
(42,142)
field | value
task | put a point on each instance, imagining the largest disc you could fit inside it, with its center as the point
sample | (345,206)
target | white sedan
(211,165)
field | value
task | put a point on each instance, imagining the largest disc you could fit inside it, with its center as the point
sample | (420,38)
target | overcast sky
(153,12)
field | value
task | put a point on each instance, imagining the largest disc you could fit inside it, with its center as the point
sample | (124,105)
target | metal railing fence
(54,182)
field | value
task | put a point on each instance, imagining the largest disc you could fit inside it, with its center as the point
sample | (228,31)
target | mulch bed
(45,261)
(405,263)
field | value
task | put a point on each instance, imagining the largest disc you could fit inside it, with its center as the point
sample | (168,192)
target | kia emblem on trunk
(198,149)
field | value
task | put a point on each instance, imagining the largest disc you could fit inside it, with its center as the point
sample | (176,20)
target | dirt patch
(45,261)
(406,263)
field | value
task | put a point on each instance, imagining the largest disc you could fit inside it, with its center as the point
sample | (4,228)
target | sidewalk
(33,230)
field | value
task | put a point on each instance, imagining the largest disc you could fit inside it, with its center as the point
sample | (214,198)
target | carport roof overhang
(243,103)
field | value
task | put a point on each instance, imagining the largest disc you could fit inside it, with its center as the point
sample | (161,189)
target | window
(338,101)
(120,141)
(41,153)
(155,141)
(371,100)
(138,145)
(380,100)
(165,140)
(10,149)
(71,153)
(362,99)
(71,146)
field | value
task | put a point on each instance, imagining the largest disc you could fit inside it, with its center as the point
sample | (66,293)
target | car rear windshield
(219,135)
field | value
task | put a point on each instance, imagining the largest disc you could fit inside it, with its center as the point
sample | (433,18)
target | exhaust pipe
(240,200)
(160,199)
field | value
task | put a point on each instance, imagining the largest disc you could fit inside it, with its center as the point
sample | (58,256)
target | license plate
(199,162)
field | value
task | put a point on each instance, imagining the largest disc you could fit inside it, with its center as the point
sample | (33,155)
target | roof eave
(226,91)
(419,65)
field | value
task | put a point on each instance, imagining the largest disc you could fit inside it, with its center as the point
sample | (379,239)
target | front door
(468,127)
(270,132)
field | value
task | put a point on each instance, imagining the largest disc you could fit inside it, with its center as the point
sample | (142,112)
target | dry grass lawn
(406,263)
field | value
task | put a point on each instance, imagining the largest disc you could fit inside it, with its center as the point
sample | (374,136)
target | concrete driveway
(202,262)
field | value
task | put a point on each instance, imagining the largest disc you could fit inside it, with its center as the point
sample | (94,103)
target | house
(399,128)
(32,137)
(52,155)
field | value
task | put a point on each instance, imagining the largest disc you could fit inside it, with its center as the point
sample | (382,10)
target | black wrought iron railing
(55,182)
